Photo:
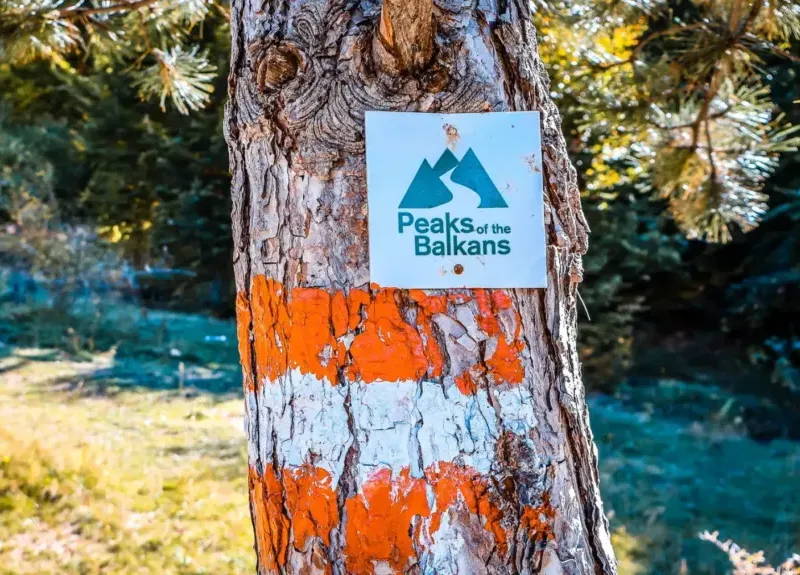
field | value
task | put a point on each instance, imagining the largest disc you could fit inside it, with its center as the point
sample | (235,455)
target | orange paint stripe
(466,383)
(243,319)
(386,520)
(271,323)
(388,348)
(307,328)
(271,525)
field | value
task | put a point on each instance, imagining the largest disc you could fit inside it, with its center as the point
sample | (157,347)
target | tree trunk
(399,431)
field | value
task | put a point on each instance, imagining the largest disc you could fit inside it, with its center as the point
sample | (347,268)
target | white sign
(455,200)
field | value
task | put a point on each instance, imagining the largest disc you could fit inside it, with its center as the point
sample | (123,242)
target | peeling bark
(405,39)
(399,431)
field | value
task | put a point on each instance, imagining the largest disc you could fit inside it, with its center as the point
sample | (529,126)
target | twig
(711,79)
(223,11)
(777,50)
(710,152)
(78,12)
(585,309)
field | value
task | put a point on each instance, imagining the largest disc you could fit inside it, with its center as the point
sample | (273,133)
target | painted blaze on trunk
(398,431)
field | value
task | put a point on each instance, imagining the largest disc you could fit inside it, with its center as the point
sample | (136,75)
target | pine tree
(665,98)
(671,97)
(148,180)
(149,40)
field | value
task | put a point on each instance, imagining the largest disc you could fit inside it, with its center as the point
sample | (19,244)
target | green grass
(94,325)
(667,474)
(132,481)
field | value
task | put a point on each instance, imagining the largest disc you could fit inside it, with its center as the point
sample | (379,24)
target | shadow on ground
(675,458)
(130,375)
(665,478)
(124,348)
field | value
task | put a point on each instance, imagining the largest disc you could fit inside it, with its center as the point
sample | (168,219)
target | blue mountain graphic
(428,191)
(471,174)
(446,162)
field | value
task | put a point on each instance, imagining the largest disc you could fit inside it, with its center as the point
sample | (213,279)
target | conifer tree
(151,41)
(672,98)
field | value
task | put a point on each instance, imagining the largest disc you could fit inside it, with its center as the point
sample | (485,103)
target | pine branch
(224,12)
(711,152)
(79,12)
(777,50)
(712,81)
(698,127)
(714,116)
(751,17)
(672,31)
(183,76)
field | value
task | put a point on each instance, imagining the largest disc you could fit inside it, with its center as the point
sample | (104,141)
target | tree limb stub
(277,65)
(406,32)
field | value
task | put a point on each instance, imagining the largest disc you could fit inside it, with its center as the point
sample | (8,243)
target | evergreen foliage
(153,41)
(147,182)
(682,119)
(673,98)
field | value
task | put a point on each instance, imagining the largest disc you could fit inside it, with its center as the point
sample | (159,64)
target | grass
(122,481)
(668,474)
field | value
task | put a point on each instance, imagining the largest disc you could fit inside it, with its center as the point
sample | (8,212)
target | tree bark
(399,431)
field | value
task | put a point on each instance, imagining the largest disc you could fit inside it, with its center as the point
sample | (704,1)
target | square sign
(455,200)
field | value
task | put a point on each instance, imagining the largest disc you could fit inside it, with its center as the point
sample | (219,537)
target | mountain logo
(427,190)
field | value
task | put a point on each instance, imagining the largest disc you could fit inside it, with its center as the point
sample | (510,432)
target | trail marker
(455,200)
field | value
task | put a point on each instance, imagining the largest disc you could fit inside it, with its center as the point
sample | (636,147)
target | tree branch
(758,44)
(79,12)
(712,83)
(710,152)
(751,17)
(673,31)
(406,34)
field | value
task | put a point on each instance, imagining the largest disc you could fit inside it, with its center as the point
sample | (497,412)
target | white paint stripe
(398,424)
(450,553)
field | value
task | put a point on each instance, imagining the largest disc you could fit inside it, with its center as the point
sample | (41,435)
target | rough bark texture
(406,32)
(395,431)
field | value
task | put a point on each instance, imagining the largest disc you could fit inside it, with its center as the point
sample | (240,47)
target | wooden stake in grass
(399,431)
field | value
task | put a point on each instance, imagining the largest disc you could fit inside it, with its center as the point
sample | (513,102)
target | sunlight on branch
(746,563)
(183,76)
